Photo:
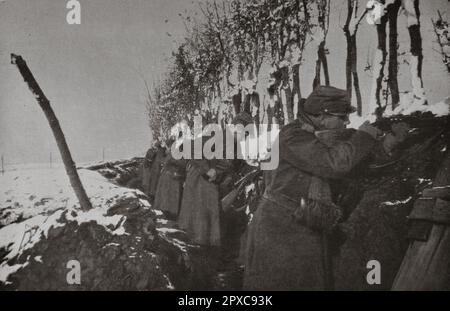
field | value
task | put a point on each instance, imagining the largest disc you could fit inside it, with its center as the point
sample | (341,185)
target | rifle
(414,151)
(228,200)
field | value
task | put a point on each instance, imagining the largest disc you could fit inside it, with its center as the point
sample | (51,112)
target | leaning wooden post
(56,129)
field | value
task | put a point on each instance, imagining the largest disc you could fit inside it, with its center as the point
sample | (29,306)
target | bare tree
(247,31)
(44,103)
(382,39)
(218,23)
(375,106)
(303,19)
(393,48)
(323,21)
(287,31)
(350,30)
(280,34)
(412,12)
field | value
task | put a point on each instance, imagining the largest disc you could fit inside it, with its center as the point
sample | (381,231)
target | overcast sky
(91,72)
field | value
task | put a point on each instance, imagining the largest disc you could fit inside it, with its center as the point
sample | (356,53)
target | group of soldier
(288,240)
(190,191)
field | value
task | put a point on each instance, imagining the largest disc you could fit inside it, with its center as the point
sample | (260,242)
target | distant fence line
(51,162)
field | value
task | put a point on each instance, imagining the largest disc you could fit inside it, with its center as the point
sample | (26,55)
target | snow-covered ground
(34,199)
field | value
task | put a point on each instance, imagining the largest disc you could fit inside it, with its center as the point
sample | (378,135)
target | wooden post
(103,154)
(44,103)
(3,166)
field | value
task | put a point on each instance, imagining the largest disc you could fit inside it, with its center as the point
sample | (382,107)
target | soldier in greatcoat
(288,238)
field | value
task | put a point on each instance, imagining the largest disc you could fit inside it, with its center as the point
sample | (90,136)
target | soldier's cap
(243,118)
(328,100)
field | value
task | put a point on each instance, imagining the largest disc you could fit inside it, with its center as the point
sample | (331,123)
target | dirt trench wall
(151,256)
(382,199)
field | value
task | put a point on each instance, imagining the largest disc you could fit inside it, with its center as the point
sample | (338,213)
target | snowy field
(54,165)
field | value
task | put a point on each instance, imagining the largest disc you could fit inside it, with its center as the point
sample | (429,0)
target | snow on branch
(376,10)
(410,12)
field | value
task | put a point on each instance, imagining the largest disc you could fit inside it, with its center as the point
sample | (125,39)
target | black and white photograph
(225,145)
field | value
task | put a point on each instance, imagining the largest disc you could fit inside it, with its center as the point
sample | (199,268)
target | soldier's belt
(282,201)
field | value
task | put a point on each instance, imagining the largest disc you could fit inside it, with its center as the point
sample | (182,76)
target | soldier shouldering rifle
(390,141)
(290,236)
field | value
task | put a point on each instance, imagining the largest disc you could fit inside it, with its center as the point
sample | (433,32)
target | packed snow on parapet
(406,107)
(34,203)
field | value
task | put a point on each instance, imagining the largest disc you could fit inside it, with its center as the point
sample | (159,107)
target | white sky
(91,72)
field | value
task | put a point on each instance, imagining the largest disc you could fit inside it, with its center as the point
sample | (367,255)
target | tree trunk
(354,61)
(322,63)
(56,129)
(351,68)
(296,91)
(413,15)
(381,30)
(275,108)
(393,44)
(237,102)
(316,81)
(348,62)
(256,109)
(379,63)
(286,96)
